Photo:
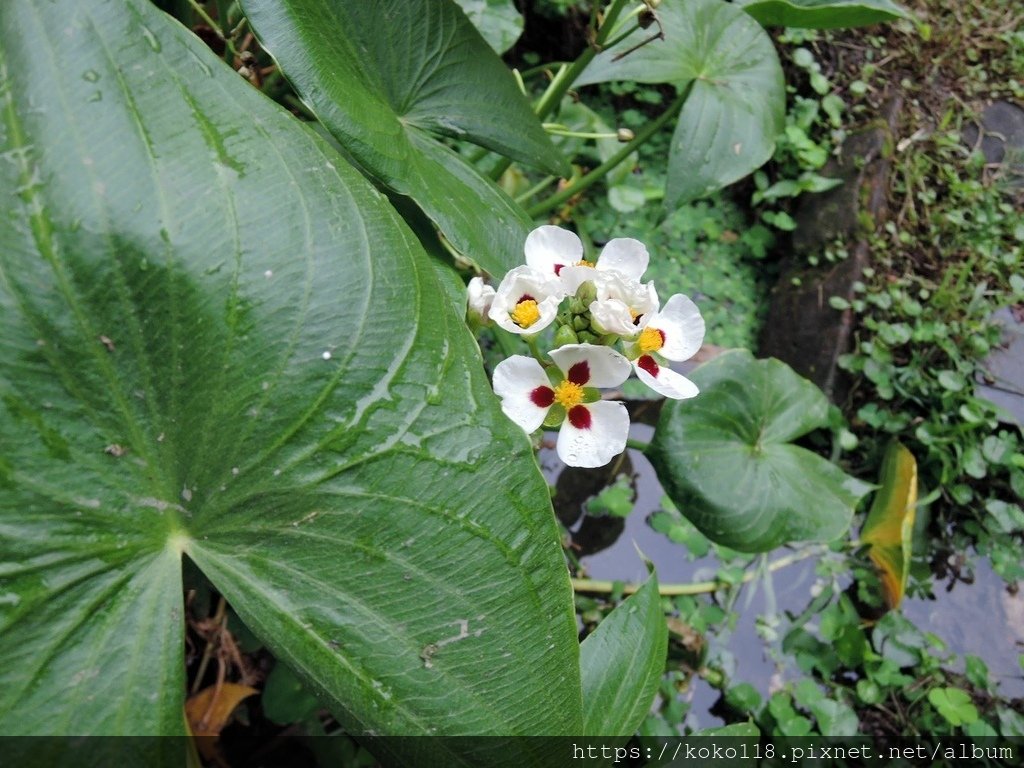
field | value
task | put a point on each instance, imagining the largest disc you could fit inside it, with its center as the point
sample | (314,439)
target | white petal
(667,382)
(549,246)
(515,378)
(479,296)
(616,297)
(612,316)
(601,442)
(573,277)
(683,326)
(646,303)
(626,256)
(605,366)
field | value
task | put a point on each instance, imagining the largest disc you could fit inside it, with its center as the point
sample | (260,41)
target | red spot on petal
(528,297)
(649,364)
(579,373)
(662,334)
(542,397)
(559,268)
(579,417)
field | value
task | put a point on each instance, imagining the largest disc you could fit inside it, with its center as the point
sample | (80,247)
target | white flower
(623,307)
(592,431)
(674,333)
(479,296)
(551,249)
(526,301)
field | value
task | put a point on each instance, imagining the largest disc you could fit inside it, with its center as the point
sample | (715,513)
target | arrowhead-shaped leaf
(821,14)
(621,663)
(725,457)
(736,105)
(387,78)
(889,527)
(217,339)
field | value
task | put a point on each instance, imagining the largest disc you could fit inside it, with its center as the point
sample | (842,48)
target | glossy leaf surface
(725,457)
(736,105)
(217,339)
(621,663)
(889,526)
(822,14)
(387,79)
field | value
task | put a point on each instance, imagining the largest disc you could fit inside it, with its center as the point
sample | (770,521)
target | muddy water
(980,618)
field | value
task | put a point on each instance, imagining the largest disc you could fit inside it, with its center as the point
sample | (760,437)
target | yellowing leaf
(890,523)
(208,711)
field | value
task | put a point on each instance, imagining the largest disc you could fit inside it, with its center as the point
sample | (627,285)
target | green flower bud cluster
(574,324)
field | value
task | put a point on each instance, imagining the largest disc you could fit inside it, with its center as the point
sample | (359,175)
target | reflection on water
(980,618)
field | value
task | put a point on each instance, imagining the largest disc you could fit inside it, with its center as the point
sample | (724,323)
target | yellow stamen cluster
(568,394)
(650,340)
(583,263)
(526,313)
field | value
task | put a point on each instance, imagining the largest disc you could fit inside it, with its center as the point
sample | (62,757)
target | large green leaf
(822,14)
(736,105)
(387,78)
(621,663)
(725,458)
(217,339)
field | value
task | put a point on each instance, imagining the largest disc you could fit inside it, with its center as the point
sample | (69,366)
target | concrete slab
(802,329)
(1000,137)
(1005,383)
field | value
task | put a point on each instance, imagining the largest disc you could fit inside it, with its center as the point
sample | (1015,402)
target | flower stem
(567,75)
(531,341)
(555,129)
(213,25)
(536,188)
(638,445)
(602,170)
(696,587)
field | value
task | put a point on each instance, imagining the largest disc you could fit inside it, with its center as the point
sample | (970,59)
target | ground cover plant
(248,438)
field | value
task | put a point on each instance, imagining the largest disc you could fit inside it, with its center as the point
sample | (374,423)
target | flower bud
(565,335)
(625,135)
(479,296)
(585,294)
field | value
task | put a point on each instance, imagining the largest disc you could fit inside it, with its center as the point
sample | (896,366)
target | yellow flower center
(583,263)
(568,394)
(526,313)
(651,340)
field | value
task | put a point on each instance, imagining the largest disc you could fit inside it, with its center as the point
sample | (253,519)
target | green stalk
(536,188)
(229,47)
(637,445)
(697,587)
(566,76)
(531,342)
(602,170)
